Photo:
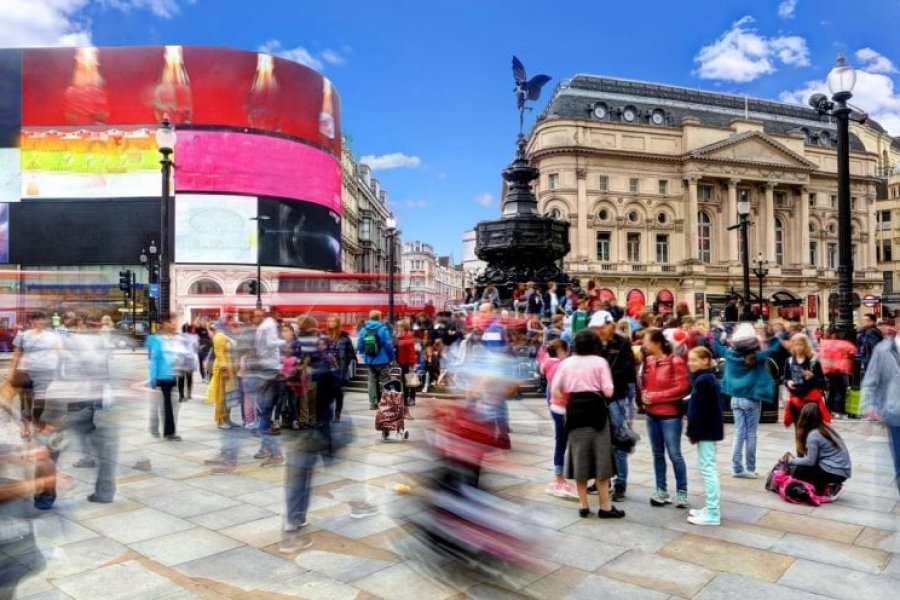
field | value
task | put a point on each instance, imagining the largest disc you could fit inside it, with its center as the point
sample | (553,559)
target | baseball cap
(601,318)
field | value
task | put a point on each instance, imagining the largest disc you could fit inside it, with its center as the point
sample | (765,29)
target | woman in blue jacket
(748,382)
(164,349)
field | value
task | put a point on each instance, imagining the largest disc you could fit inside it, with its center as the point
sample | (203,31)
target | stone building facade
(650,176)
(429,278)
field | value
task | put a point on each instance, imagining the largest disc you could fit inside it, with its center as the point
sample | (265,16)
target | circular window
(555,213)
(603,214)
(658,117)
(600,111)
(662,218)
(634,217)
(629,114)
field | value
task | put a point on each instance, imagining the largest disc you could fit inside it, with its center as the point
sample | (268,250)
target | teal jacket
(162,364)
(743,381)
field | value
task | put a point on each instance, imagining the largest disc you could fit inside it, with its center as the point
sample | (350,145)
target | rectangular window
(852,202)
(885,251)
(603,183)
(663,187)
(553,181)
(633,247)
(633,185)
(662,248)
(884,218)
(780,198)
(813,253)
(705,193)
(604,242)
(831,256)
(834,201)
(365,230)
(888,282)
(853,256)
(812,200)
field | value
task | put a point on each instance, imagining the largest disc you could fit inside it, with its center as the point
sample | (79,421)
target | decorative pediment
(751,147)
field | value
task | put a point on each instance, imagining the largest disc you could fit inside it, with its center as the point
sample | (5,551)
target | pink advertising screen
(256,165)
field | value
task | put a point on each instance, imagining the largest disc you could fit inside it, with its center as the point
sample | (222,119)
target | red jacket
(406,350)
(665,382)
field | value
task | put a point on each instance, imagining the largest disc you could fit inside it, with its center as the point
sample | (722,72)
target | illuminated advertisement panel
(10,175)
(259,165)
(89,162)
(4,233)
(191,85)
(10,97)
(300,234)
(215,229)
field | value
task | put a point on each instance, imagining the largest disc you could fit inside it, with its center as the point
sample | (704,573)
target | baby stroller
(389,416)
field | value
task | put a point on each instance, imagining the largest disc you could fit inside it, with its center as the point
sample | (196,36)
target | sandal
(613,513)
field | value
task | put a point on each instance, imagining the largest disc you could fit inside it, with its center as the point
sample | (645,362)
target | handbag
(411,380)
(21,379)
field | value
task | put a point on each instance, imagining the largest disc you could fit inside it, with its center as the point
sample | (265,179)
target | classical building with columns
(650,176)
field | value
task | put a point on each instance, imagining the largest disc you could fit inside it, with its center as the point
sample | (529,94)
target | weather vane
(526,90)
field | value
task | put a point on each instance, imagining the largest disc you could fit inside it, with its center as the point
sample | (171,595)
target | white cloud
(874,62)
(485,199)
(875,91)
(303,56)
(33,23)
(394,160)
(415,203)
(165,9)
(742,54)
(786,9)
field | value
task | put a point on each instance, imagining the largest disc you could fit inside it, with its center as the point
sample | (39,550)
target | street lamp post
(260,231)
(841,80)
(761,269)
(391,233)
(148,259)
(743,207)
(165,141)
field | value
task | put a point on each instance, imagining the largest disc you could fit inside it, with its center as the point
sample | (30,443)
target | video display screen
(4,233)
(10,97)
(90,162)
(215,229)
(53,232)
(191,85)
(259,165)
(300,234)
(10,174)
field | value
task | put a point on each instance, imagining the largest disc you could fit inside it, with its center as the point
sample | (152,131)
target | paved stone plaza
(178,531)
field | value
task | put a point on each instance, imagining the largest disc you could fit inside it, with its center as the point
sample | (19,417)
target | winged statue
(526,89)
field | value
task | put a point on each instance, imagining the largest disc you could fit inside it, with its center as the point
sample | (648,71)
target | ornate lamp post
(260,232)
(841,80)
(743,208)
(165,141)
(761,269)
(391,234)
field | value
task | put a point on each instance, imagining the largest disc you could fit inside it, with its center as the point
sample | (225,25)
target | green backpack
(371,342)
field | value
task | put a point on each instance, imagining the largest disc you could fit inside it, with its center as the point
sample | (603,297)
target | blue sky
(426,85)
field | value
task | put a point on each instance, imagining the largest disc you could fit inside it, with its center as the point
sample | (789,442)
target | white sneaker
(292,528)
(703,519)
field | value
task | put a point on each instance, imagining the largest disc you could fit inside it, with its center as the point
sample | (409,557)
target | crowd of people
(599,366)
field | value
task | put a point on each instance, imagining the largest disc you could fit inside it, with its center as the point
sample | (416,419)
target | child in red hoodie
(550,359)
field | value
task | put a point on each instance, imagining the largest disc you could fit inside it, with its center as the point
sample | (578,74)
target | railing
(638,268)
(667,268)
(608,267)
(791,272)
(716,269)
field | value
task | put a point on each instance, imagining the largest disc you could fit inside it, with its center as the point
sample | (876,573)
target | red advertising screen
(192,85)
(256,165)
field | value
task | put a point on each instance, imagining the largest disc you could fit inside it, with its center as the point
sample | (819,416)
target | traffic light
(254,287)
(125,282)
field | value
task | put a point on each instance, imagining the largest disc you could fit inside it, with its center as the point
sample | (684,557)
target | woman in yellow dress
(222,381)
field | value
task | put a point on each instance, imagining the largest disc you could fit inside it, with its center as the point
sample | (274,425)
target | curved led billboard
(192,85)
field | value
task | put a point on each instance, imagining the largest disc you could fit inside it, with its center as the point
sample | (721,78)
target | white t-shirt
(40,349)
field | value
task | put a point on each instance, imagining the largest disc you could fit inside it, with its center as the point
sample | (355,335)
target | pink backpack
(794,490)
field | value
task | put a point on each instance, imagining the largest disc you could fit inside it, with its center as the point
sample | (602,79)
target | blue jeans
(746,420)
(618,416)
(265,402)
(302,455)
(559,447)
(665,437)
(894,440)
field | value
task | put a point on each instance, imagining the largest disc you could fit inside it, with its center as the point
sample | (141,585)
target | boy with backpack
(375,345)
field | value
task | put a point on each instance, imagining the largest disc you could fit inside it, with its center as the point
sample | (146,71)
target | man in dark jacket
(377,349)
(618,353)
(871,337)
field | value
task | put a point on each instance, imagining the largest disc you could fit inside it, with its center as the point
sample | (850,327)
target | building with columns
(650,177)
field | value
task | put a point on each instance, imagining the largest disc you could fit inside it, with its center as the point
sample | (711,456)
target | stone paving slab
(667,575)
(837,582)
(138,525)
(245,568)
(738,587)
(128,580)
(598,586)
(185,546)
(834,553)
(721,556)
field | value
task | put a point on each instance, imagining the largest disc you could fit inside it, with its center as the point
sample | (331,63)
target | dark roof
(577,97)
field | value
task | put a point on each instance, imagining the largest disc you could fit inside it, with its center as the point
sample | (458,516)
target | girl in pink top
(550,359)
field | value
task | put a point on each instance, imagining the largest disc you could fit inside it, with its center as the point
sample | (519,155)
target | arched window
(205,287)
(779,242)
(704,237)
(244,287)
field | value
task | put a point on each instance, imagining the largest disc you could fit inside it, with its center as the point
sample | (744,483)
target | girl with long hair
(665,385)
(804,379)
(822,456)
(340,346)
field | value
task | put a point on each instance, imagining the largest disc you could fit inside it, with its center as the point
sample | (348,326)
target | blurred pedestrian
(837,365)
(263,373)
(340,346)
(186,377)
(408,359)
(34,366)
(164,348)
(881,395)
(222,380)
(374,344)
